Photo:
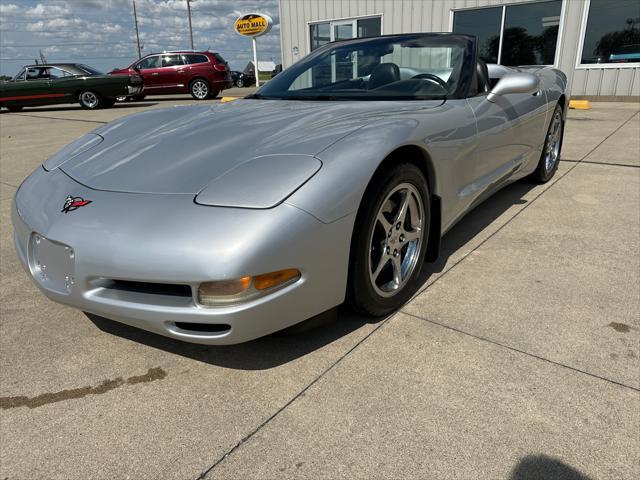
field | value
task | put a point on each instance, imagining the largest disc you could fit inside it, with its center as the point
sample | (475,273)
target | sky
(101,33)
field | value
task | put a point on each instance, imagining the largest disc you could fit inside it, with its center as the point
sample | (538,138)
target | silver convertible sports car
(334,182)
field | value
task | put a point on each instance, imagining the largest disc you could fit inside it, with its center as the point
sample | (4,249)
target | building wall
(406,16)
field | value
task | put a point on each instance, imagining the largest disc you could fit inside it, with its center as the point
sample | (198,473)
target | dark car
(56,83)
(242,79)
(202,74)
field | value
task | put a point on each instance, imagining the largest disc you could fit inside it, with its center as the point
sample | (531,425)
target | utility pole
(190,29)
(135,21)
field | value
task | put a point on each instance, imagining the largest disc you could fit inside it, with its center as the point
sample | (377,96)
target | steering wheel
(433,78)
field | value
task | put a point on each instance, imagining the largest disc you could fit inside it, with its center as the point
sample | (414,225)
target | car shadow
(536,467)
(282,347)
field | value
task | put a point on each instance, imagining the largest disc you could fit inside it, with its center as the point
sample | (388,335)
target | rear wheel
(138,98)
(199,89)
(89,100)
(390,241)
(239,82)
(550,157)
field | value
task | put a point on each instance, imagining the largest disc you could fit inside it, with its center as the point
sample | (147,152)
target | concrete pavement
(519,359)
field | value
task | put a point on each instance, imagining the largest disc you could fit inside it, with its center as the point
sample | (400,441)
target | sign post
(253,25)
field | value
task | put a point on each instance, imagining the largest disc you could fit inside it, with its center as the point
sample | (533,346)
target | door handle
(155,74)
(180,71)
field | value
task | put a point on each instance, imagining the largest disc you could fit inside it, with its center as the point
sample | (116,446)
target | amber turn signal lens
(273,279)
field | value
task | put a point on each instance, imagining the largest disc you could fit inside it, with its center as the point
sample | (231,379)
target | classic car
(57,83)
(202,74)
(361,156)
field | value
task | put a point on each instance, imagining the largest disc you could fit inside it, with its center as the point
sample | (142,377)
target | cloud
(101,32)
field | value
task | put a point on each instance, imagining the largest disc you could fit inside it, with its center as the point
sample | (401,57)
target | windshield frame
(270,90)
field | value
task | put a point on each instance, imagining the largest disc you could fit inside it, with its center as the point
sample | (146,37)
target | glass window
(531,33)
(484,23)
(171,60)
(529,37)
(88,69)
(33,73)
(191,59)
(149,62)
(613,32)
(412,66)
(325,32)
(219,58)
(369,27)
(320,34)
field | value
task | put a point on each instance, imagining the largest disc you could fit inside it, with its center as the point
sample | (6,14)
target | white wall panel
(403,16)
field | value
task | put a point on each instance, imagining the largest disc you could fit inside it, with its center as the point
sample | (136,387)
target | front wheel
(550,157)
(239,83)
(199,89)
(89,100)
(138,98)
(389,241)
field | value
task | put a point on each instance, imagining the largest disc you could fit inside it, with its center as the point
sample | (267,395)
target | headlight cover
(262,182)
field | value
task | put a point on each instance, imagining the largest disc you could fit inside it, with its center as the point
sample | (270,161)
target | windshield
(413,67)
(88,69)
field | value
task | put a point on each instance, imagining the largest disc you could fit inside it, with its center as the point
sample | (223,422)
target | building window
(485,24)
(325,32)
(523,34)
(612,34)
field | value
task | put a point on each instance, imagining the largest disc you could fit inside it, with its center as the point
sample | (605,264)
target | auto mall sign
(253,25)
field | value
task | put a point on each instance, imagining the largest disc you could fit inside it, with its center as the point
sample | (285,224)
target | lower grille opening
(204,327)
(175,290)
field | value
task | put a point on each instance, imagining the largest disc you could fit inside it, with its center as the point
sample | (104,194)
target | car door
(61,86)
(172,73)
(29,88)
(508,132)
(150,70)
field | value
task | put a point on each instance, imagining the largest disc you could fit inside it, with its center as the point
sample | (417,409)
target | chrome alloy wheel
(396,240)
(200,89)
(554,138)
(89,99)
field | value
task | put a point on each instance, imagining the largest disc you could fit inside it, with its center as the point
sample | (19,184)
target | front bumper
(167,239)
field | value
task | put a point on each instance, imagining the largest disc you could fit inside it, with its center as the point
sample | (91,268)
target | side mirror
(136,68)
(514,83)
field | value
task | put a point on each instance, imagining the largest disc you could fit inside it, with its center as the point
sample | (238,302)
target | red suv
(202,74)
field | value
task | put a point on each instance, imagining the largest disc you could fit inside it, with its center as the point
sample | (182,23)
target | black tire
(90,100)
(15,108)
(361,292)
(137,98)
(239,83)
(199,89)
(545,169)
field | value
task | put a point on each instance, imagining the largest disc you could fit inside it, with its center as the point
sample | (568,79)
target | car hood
(183,149)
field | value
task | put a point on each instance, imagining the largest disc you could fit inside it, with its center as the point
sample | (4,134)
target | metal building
(595,42)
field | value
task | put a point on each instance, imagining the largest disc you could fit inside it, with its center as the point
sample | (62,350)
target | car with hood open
(359,158)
